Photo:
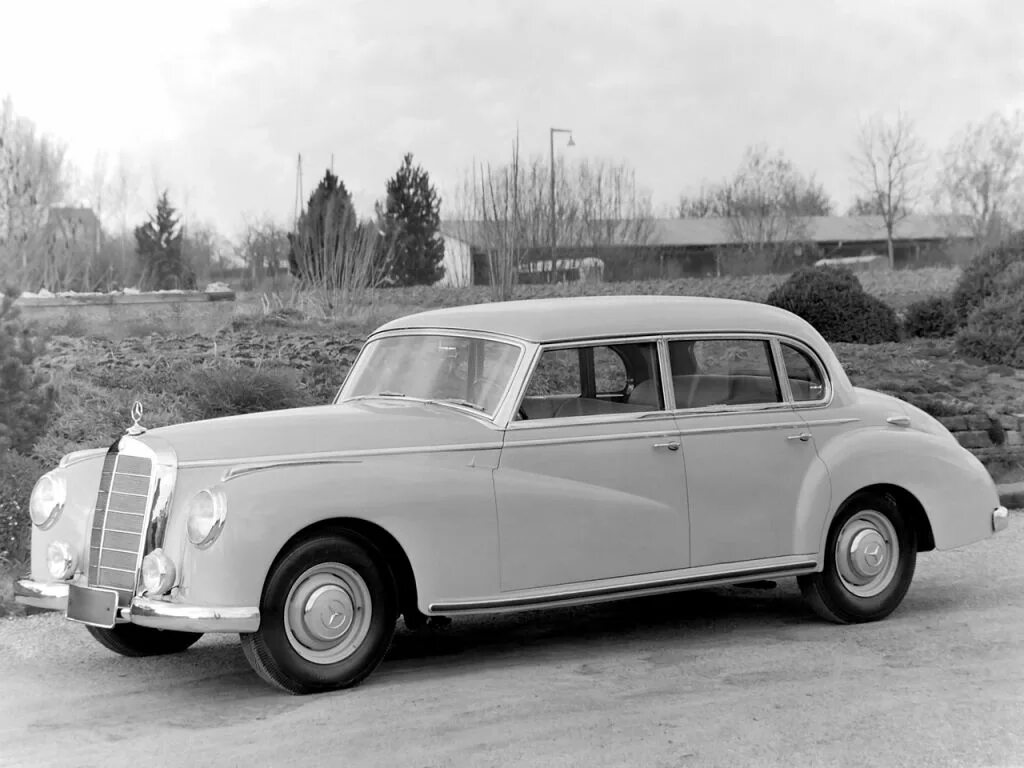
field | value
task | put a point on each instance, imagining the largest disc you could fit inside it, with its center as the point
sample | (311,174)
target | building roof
(587,317)
(709,232)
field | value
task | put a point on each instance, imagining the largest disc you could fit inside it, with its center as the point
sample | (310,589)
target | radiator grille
(118,528)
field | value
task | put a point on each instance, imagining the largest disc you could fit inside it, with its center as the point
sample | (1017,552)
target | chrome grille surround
(134,496)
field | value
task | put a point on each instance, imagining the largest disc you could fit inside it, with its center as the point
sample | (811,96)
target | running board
(634,589)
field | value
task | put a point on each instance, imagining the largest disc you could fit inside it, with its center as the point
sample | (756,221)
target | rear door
(747,451)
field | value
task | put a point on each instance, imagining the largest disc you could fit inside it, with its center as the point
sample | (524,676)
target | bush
(833,301)
(995,330)
(229,389)
(933,318)
(17,476)
(26,398)
(980,278)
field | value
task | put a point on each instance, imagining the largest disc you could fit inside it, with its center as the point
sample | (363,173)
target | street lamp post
(554,232)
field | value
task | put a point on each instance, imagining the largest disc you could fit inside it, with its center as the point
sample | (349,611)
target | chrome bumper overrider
(147,612)
(1000,519)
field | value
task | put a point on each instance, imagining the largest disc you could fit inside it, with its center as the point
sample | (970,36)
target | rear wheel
(870,557)
(133,640)
(327,616)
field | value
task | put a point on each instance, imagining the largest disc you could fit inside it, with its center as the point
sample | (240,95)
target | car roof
(587,317)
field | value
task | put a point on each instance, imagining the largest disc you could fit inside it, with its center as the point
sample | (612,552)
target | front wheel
(327,616)
(133,640)
(870,555)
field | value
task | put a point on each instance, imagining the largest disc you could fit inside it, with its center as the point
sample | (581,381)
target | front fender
(439,508)
(953,487)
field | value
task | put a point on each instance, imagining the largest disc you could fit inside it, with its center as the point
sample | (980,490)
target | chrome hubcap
(327,613)
(867,553)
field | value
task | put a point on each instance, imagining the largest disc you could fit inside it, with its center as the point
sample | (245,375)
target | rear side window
(805,379)
(724,372)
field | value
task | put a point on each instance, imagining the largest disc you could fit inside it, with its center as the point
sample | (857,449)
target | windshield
(459,370)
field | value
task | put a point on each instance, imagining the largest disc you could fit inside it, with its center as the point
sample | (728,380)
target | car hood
(365,425)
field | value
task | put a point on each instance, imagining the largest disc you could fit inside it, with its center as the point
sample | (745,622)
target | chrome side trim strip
(830,422)
(741,428)
(670,432)
(338,455)
(248,469)
(597,594)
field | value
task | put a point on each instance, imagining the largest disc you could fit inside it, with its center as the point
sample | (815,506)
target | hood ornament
(136,428)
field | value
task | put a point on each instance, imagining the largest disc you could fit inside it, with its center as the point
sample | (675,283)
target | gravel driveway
(723,677)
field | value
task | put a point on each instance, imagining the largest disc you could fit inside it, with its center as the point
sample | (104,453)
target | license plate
(90,605)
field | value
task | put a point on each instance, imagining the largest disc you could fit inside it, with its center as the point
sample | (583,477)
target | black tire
(337,578)
(837,597)
(135,641)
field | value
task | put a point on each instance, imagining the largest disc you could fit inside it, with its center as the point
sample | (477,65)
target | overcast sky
(214,99)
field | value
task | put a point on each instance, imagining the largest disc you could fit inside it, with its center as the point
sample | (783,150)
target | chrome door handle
(672,445)
(803,437)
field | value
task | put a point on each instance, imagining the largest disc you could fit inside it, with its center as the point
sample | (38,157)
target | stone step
(1011,495)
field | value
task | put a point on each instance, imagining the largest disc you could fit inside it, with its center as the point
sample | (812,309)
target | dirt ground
(724,677)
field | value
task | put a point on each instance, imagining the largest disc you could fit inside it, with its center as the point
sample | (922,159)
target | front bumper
(147,611)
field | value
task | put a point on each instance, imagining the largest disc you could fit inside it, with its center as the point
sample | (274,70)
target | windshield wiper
(390,394)
(458,401)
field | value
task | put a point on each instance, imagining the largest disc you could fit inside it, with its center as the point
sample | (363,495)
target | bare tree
(506,212)
(263,246)
(889,165)
(340,260)
(765,205)
(33,178)
(492,218)
(982,176)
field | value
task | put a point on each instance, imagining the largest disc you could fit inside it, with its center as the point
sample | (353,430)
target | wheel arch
(904,500)
(393,553)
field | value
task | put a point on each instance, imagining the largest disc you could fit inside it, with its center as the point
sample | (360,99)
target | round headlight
(60,560)
(207,511)
(47,500)
(157,572)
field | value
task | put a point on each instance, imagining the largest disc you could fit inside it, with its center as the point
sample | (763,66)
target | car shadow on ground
(698,617)
(697,613)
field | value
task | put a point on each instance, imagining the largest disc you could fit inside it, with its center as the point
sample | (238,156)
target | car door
(747,451)
(590,483)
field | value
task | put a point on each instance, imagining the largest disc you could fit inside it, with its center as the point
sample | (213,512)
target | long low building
(669,248)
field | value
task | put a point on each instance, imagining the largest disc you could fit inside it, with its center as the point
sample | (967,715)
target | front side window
(805,379)
(712,372)
(460,370)
(593,380)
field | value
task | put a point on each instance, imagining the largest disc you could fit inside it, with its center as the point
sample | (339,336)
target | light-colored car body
(479,509)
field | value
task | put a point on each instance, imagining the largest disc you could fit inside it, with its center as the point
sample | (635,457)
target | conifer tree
(158,245)
(411,221)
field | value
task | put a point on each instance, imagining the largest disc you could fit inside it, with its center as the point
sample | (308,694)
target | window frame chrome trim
(601,341)
(826,379)
(774,340)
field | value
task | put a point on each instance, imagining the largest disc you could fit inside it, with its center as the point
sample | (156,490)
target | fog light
(157,573)
(60,560)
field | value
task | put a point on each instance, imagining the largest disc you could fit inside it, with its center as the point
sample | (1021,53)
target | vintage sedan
(507,457)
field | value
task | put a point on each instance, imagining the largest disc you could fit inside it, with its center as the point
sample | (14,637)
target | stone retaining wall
(107,314)
(991,437)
